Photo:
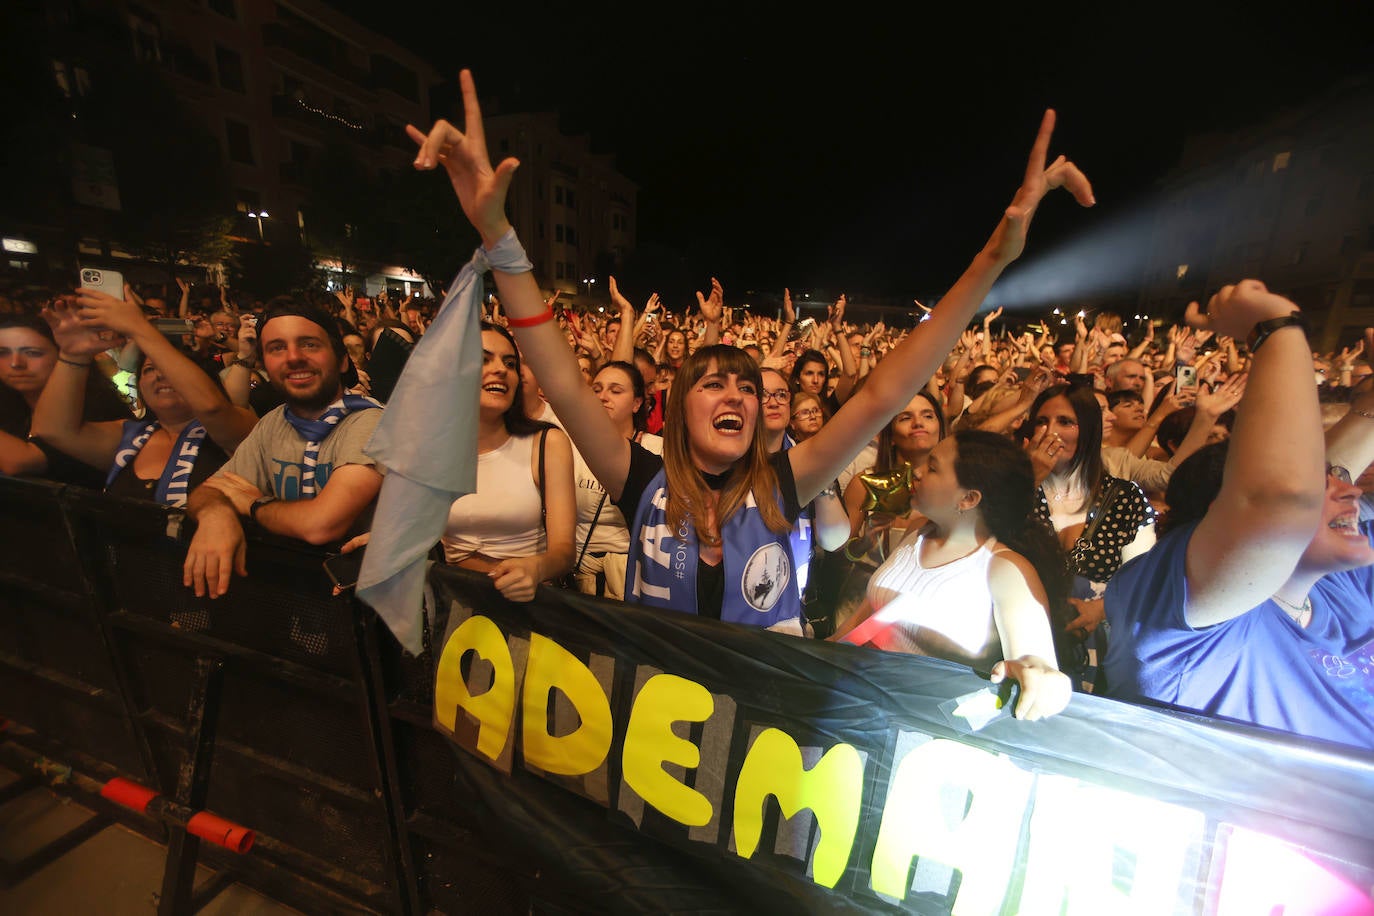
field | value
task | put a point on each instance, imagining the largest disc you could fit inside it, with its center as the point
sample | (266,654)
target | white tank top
(944,611)
(502,519)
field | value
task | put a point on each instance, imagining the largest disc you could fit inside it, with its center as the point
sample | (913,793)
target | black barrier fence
(592,756)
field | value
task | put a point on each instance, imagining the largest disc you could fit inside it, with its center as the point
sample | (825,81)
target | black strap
(577,567)
(543,511)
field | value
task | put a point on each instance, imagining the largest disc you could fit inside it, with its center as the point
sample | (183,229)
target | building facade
(1289,201)
(276,81)
(573,211)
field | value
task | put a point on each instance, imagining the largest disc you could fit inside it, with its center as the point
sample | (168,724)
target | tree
(174,190)
(271,270)
(427,228)
(341,208)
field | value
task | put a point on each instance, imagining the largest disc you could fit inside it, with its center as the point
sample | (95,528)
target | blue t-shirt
(1259,667)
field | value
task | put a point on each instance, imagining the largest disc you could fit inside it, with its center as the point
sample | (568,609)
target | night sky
(872,149)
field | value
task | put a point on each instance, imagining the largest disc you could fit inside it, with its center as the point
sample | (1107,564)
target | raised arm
(896,379)
(226,423)
(789,318)
(481,191)
(1350,443)
(1270,502)
(57,418)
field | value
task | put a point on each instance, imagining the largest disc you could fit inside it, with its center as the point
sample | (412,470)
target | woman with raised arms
(710,518)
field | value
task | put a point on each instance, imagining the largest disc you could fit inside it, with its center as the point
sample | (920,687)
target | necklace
(1301,614)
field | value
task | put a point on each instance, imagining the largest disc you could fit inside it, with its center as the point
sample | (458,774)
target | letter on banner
(982,845)
(1265,875)
(492,709)
(1159,839)
(581,751)
(832,790)
(650,743)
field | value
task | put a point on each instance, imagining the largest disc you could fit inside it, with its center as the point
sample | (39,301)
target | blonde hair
(688,493)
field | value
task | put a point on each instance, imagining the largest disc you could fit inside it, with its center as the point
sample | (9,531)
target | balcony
(319,50)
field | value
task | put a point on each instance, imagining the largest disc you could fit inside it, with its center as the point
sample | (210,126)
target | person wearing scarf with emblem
(711,517)
(188,431)
(302,473)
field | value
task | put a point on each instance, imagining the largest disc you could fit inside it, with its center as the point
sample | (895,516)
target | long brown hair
(688,493)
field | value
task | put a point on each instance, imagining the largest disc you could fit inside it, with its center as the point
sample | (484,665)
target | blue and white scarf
(174,484)
(314,432)
(757,563)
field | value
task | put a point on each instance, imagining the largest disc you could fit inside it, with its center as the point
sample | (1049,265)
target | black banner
(654,761)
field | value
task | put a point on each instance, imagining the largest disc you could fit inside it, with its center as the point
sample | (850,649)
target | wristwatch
(258,504)
(1263,329)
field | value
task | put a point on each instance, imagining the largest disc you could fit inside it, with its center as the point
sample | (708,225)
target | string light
(325,114)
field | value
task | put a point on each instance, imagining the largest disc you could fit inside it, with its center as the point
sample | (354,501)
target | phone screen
(343,568)
(1185,377)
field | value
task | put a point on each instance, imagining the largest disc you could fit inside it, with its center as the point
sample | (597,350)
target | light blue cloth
(427,439)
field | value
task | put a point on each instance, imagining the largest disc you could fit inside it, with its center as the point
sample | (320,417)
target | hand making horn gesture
(481,189)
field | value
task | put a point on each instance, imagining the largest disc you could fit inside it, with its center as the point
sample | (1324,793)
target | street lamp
(589,282)
(259,215)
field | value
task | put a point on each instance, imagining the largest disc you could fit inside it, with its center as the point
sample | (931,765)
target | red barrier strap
(128,793)
(217,830)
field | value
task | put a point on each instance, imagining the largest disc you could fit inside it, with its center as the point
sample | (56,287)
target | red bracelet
(532,321)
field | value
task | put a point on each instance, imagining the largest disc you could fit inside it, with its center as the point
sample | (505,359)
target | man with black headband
(302,472)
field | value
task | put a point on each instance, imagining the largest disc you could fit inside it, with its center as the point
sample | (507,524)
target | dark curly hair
(1001,471)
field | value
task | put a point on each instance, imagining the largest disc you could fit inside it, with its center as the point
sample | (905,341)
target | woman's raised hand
(1009,238)
(73,338)
(1235,310)
(481,189)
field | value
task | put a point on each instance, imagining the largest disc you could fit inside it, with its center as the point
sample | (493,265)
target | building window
(572,236)
(541,229)
(1281,160)
(558,194)
(224,7)
(558,270)
(240,142)
(572,200)
(558,232)
(230,67)
(147,38)
(247,201)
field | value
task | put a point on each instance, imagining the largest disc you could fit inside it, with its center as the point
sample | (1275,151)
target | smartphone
(173,327)
(1185,377)
(106,281)
(343,568)
(250,320)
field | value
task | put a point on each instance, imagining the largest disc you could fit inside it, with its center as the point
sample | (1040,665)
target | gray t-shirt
(271,458)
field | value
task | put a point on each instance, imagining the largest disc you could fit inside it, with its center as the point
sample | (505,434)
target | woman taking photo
(603,541)
(710,518)
(190,428)
(975,584)
(518,527)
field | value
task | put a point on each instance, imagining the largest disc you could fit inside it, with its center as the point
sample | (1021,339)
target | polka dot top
(1114,519)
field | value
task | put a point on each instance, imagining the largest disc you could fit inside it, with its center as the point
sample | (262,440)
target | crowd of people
(1174,517)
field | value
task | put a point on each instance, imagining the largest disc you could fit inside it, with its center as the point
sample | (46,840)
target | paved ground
(116,872)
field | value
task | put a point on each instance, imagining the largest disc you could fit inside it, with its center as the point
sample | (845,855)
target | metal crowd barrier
(277,707)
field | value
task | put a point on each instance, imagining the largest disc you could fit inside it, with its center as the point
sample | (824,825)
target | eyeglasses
(808,413)
(782,394)
(1341,474)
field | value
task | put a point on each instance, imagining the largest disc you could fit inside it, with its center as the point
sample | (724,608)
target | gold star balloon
(888,491)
